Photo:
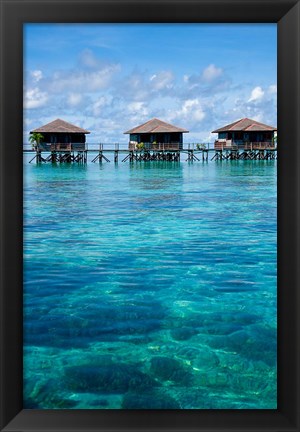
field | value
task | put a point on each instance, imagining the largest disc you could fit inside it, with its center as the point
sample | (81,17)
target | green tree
(35,138)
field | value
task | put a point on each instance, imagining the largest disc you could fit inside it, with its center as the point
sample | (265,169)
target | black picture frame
(286,13)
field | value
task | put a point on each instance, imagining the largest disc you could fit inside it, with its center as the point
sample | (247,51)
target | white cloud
(98,106)
(37,75)
(191,111)
(88,59)
(259,117)
(74,99)
(193,108)
(142,86)
(260,106)
(208,82)
(256,94)
(162,80)
(83,81)
(137,108)
(111,102)
(211,73)
(35,98)
(273,89)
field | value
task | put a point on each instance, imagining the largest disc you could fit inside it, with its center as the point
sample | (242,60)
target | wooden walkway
(267,154)
(60,157)
(187,154)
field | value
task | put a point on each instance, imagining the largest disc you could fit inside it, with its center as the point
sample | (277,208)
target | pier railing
(79,152)
(107,147)
(232,145)
(173,147)
(51,147)
(132,146)
(156,146)
(264,145)
(224,144)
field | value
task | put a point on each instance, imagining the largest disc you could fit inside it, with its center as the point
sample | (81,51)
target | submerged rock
(169,369)
(29,403)
(236,341)
(149,400)
(195,398)
(46,395)
(202,357)
(103,321)
(206,359)
(116,378)
(57,402)
(221,329)
(183,333)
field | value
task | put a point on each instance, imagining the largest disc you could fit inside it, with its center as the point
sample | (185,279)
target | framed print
(149,221)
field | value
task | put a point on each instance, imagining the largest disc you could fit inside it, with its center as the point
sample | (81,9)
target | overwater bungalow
(60,135)
(245,134)
(156,134)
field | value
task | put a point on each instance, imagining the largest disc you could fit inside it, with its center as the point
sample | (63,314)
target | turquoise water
(151,285)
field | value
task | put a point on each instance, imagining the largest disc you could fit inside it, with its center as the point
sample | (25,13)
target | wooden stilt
(159,154)
(34,157)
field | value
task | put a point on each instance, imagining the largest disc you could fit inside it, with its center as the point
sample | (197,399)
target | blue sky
(108,78)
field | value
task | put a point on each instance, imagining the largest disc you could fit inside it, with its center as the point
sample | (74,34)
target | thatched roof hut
(60,131)
(156,131)
(246,125)
(245,133)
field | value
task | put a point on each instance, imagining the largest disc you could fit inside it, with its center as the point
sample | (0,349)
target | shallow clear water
(150,285)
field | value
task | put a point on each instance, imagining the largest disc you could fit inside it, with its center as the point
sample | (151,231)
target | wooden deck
(78,153)
(254,154)
(157,146)
(231,145)
(50,147)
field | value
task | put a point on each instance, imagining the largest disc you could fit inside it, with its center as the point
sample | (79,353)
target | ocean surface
(150,285)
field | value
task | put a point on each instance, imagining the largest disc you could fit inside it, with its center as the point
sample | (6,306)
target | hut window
(133,137)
